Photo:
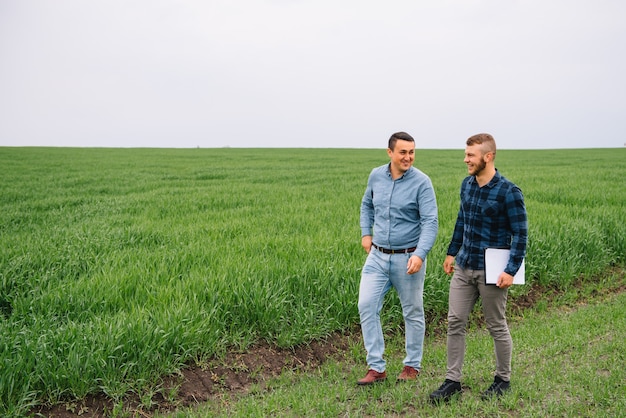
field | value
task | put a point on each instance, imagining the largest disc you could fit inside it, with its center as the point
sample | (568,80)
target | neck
(485,175)
(395,173)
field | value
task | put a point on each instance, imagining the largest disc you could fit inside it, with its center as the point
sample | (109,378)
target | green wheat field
(119,266)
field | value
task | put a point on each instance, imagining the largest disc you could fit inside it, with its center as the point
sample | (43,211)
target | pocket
(491,208)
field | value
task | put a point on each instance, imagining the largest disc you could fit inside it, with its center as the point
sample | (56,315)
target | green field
(118,266)
(568,361)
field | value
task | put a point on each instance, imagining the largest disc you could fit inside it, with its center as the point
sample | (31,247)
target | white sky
(312,73)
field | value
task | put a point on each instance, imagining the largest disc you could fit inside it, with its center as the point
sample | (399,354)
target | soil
(238,371)
(195,384)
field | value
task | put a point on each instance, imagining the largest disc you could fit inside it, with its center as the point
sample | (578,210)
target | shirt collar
(495,180)
(406,173)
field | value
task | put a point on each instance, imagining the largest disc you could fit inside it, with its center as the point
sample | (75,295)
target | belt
(388,251)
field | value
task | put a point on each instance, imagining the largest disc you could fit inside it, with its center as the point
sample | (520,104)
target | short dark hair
(403,136)
(488,144)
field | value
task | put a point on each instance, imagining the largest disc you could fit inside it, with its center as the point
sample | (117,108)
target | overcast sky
(312,73)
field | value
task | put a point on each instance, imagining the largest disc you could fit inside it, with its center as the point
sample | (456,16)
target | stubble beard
(478,168)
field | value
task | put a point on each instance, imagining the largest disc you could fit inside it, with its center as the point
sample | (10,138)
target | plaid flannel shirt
(492,216)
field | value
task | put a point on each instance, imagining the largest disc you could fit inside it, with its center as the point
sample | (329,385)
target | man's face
(402,155)
(475,159)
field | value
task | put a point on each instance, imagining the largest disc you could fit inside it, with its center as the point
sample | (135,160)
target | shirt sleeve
(429,220)
(457,236)
(518,222)
(367,210)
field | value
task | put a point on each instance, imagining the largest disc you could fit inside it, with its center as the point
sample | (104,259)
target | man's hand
(448,264)
(414,265)
(504,281)
(366,243)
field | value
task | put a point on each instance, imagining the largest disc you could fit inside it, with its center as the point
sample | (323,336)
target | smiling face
(480,154)
(479,159)
(475,159)
(402,156)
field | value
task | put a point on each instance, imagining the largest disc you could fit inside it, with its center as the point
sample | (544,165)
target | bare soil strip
(237,372)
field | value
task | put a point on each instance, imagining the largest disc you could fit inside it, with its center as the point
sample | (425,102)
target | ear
(389,152)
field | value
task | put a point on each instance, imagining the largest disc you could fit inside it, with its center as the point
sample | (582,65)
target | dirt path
(238,371)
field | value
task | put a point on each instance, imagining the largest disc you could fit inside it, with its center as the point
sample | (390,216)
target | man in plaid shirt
(492,214)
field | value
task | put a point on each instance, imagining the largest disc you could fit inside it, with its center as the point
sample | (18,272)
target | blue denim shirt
(400,213)
(490,216)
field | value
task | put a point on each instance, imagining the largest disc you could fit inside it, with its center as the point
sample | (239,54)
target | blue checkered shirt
(492,216)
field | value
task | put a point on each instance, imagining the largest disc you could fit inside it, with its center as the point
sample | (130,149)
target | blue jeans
(381,272)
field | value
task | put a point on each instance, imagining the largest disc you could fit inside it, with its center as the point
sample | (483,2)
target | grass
(568,361)
(118,266)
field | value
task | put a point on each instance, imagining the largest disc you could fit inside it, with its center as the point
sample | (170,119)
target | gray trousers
(466,287)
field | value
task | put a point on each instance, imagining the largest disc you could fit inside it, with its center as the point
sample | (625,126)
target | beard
(478,168)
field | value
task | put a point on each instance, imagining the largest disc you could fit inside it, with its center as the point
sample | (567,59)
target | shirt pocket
(491,207)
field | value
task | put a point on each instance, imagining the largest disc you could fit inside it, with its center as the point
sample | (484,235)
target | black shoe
(446,391)
(497,388)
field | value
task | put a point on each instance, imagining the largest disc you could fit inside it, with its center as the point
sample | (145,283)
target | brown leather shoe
(372,376)
(408,373)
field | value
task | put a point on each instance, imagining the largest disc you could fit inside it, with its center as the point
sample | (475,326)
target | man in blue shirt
(398,229)
(492,214)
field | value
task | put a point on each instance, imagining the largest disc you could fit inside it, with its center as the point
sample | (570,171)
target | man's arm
(518,221)
(367,214)
(457,235)
(429,220)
